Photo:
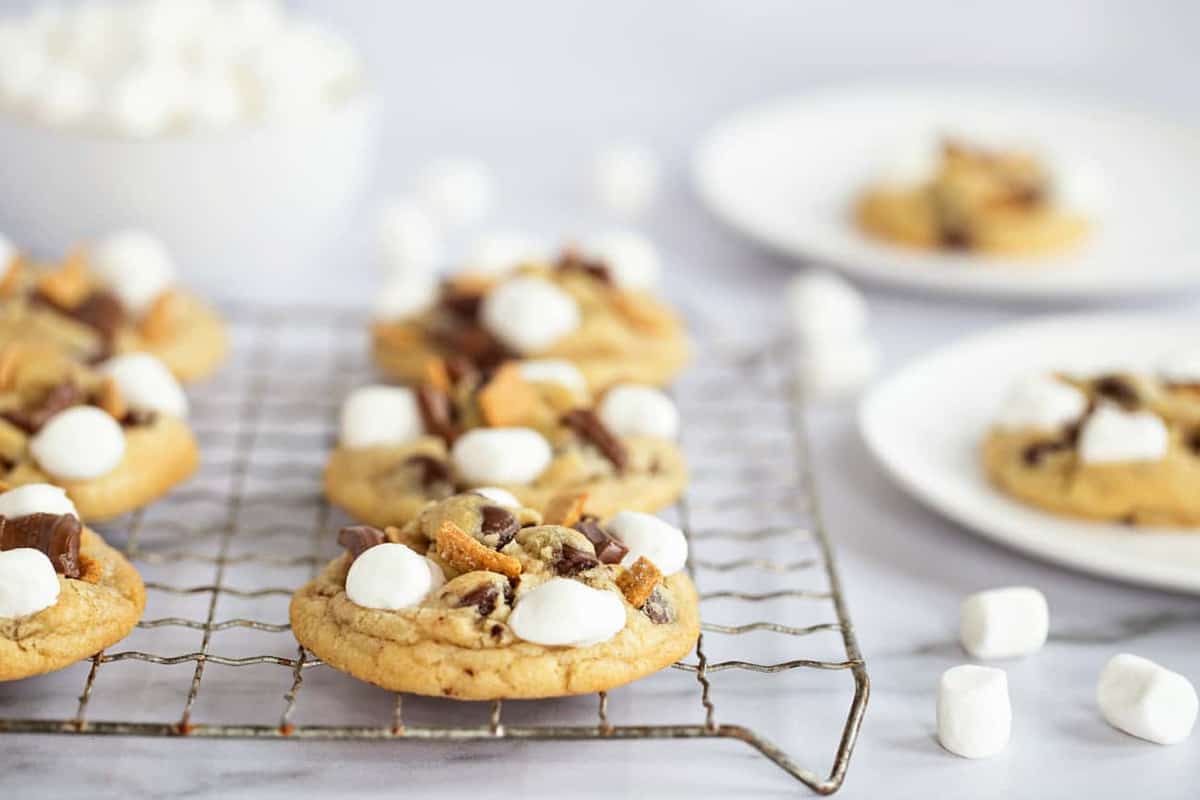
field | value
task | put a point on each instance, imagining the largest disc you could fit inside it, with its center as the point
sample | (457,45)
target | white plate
(925,424)
(786,175)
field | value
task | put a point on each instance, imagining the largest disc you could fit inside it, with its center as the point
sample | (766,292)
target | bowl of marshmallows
(239,134)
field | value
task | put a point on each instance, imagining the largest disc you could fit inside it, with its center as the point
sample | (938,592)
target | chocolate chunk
(433,473)
(103,312)
(658,609)
(358,539)
(1026,194)
(570,561)
(608,549)
(1035,453)
(59,397)
(473,343)
(573,261)
(954,237)
(56,535)
(585,423)
(1119,390)
(437,412)
(483,598)
(1194,441)
(499,522)
(461,303)
(460,369)
(138,418)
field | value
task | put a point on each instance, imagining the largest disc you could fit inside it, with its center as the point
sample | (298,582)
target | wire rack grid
(222,555)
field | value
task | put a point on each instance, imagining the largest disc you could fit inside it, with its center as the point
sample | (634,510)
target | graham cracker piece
(111,400)
(638,582)
(507,399)
(463,552)
(159,322)
(14,277)
(67,286)
(436,374)
(565,509)
(642,312)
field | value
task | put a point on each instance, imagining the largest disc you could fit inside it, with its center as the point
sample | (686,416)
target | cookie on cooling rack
(113,435)
(479,600)
(116,298)
(526,427)
(575,309)
(64,593)
(1120,447)
(999,203)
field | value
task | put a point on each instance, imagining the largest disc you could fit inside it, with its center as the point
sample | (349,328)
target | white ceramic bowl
(270,199)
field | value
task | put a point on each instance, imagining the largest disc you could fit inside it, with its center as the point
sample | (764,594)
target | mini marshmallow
(380,416)
(391,576)
(631,258)
(28,583)
(1112,435)
(65,96)
(824,307)
(408,240)
(567,613)
(625,179)
(1182,367)
(500,455)
(147,384)
(500,251)
(529,314)
(1041,402)
(837,370)
(501,497)
(35,498)
(554,370)
(213,102)
(136,266)
(647,535)
(23,65)
(630,410)
(1004,623)
(79,443)
(405,296)
(1145,700)
(458,191)
(974,715)
(144,102)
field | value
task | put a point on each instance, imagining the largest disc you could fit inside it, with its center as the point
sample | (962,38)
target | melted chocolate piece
(585,423)
(608,549)
(483,598)
(570,561)
(1119,390)
(138,418)
(437,412)
(101,311)
(499,521)
(358,539)
(658,609)
(574,261)
(462,304)
(60,397)
(433,473)
(473,343)
(1037,452)
(56,535)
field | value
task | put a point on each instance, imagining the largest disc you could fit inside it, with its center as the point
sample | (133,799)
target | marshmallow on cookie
(31,539)
(135,266)
(80,443)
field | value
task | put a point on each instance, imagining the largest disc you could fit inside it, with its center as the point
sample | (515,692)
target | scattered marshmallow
(500,455)
(529,314)
(566,613)
(380,416)
(1180,367)
(631,258)
(837,370)
(554,370)
(625,179)
(35,498)
(405,296)
(500,251)
(392,576)
(647,535)
(28,583)
(147,384)
(501,497)
(408,240)
(974,715)
(79,443)
(1004,623)
(1112,434)
(1042,402)
(1146,700)
(824,307)
(631,410)
(457,191)
(136,266)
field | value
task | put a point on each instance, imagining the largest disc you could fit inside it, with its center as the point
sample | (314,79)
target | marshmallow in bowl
(1112,435)
(554,370)
(135,266)
(143,103)
(529,314)
(36,498)
(404,296)
(380,416)
(408,240)
(146,384)
(79,443)
(566,613)
(824,307)
(632,410)
(501,497)
(631,258)
(1182,367)
(65,97)
(391,576)
(647,535)
(1041,402)
(28,583)
(457,191)
(498,252)
(625,178)
(501,455)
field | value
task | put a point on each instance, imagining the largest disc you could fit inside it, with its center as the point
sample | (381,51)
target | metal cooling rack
(222,555)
